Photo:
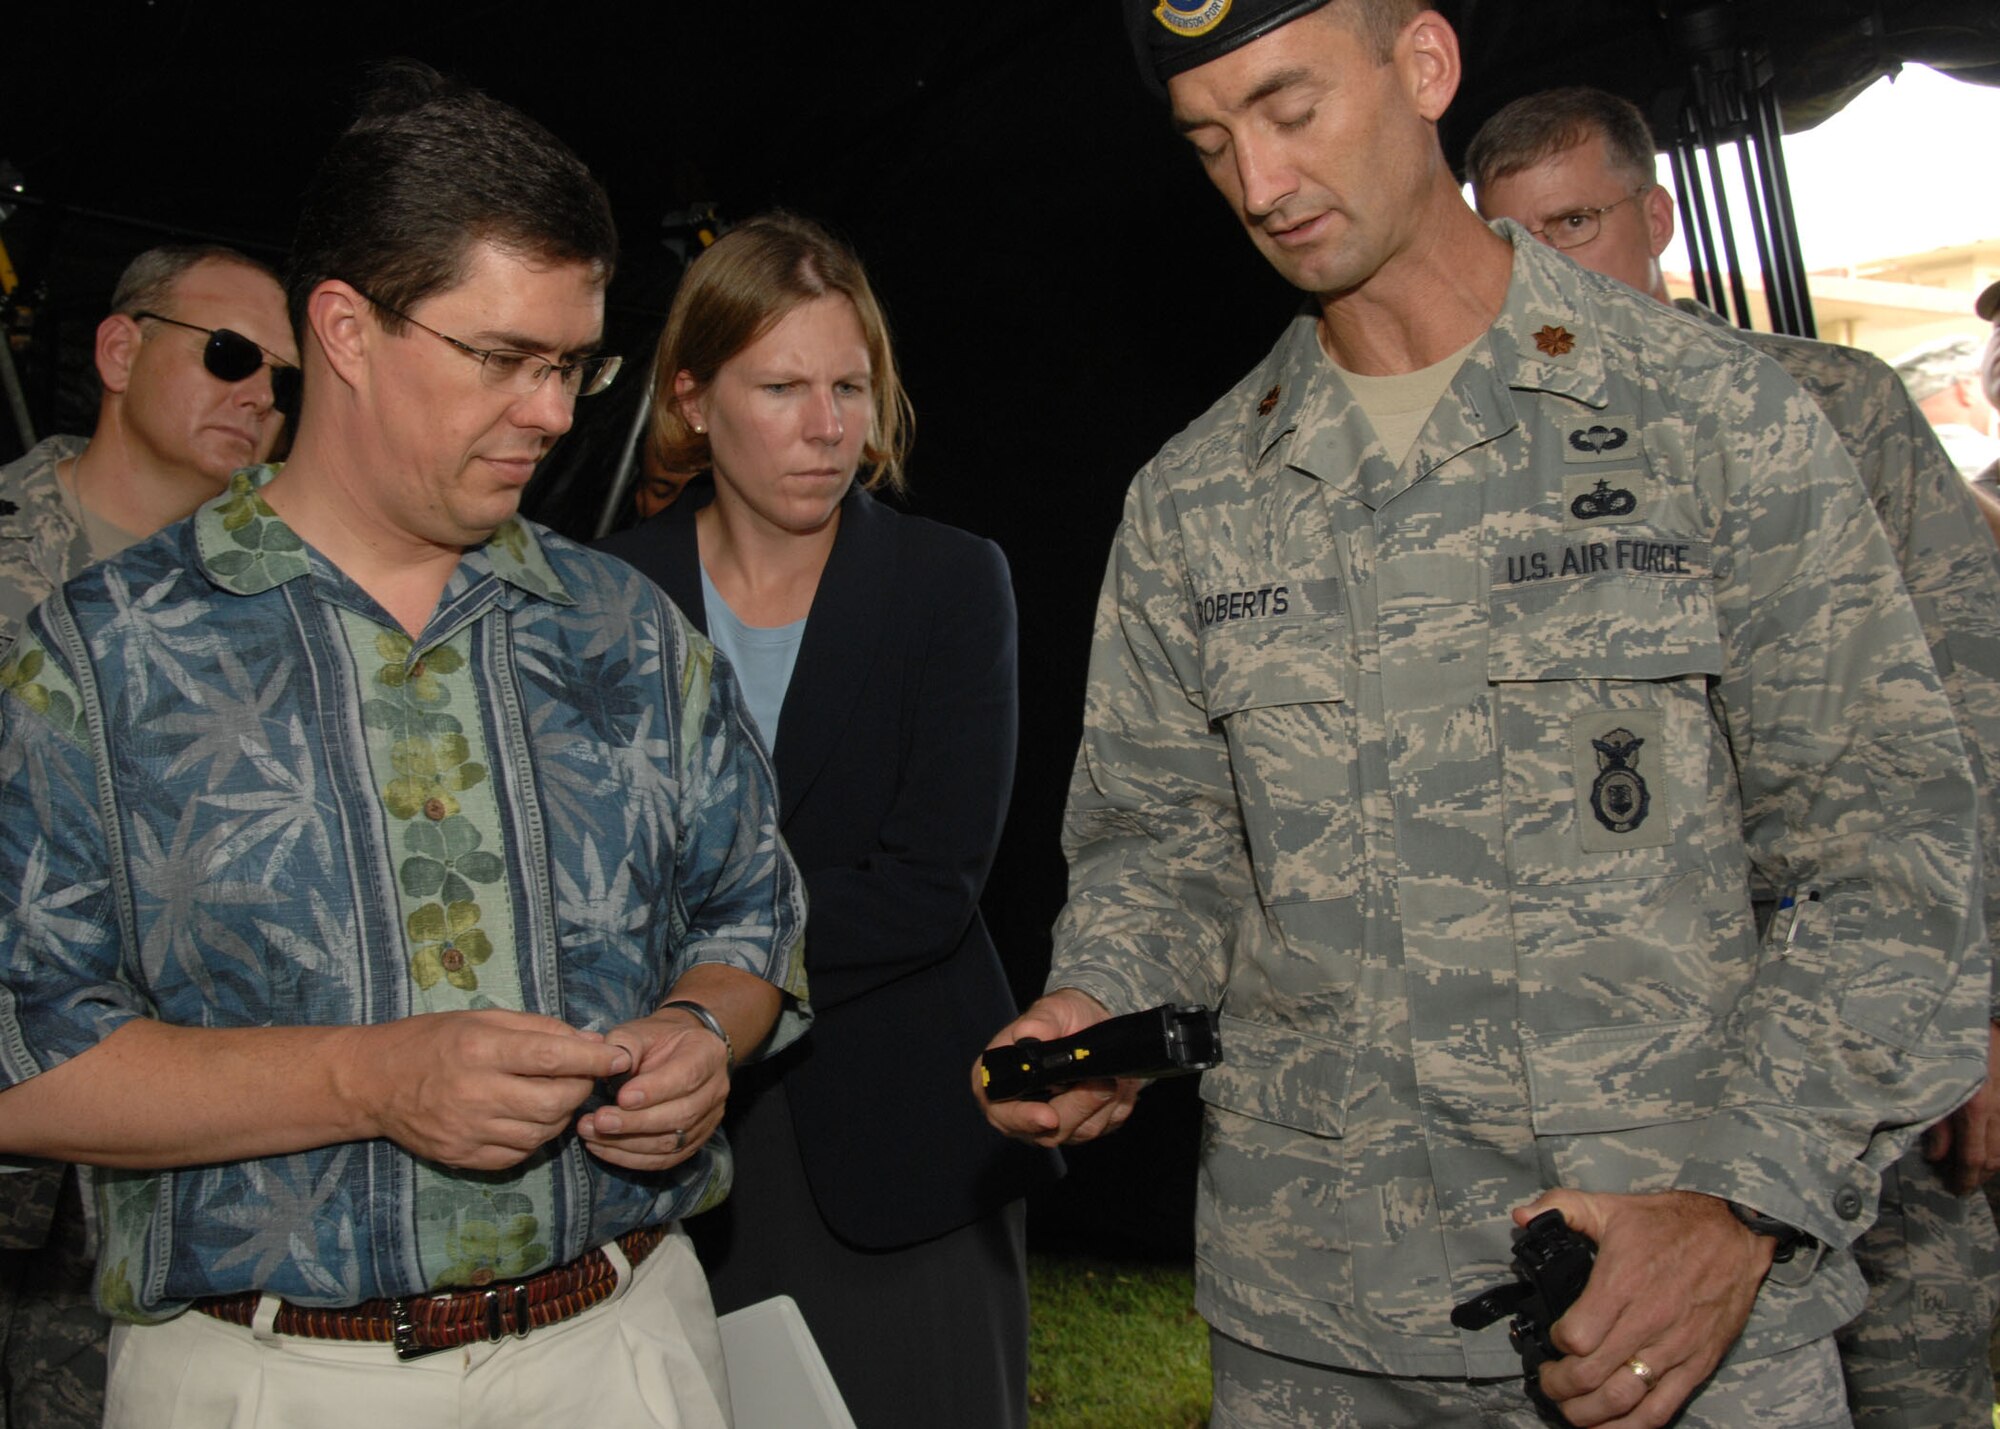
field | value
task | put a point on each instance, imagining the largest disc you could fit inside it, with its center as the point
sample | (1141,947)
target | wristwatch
(707,1019)
(1789,1238)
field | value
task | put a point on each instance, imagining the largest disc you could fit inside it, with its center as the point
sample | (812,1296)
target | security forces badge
(1618,796)
(1621,792)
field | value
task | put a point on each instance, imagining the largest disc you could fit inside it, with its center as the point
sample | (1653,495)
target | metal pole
(1777,290)
(1712,256)
(10,377)
(17,400)
(1737,292)
(1692,225)
(621,479)
(1778,198)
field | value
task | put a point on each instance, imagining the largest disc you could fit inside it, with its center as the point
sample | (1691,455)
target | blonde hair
(735,293)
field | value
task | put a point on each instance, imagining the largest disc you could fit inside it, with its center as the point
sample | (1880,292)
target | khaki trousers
(649,1355)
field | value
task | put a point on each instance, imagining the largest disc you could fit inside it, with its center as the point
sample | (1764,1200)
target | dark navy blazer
(895,760)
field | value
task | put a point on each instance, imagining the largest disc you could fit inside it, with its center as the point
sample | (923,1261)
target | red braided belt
(419,1325)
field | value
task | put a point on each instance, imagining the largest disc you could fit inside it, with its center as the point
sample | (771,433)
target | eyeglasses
(1579,226)
(522,372)
(231,357)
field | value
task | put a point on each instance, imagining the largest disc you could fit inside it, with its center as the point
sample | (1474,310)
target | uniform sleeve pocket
(1278,1075)
(1895,981)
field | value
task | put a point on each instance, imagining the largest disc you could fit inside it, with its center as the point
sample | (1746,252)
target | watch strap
(1789,1238)
(707,1019)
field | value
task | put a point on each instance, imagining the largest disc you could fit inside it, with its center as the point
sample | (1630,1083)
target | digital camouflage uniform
(51,1336)
(1446,782)
(42,544)
(1782,1391)
(1916,1356)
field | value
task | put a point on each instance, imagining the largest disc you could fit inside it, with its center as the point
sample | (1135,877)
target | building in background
(1890,305)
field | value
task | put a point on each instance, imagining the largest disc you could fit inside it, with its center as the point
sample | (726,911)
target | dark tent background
(1064,289)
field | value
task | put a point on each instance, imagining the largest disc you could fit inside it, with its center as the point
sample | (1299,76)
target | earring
(699,429)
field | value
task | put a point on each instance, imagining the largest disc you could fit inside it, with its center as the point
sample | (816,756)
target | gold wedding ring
(1643,1370)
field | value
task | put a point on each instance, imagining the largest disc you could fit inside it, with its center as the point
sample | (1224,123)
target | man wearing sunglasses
(187,399)
(398,882)
(195,361)
(1917,1355)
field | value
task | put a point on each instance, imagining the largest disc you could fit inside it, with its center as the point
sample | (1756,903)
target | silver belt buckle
(403,1331)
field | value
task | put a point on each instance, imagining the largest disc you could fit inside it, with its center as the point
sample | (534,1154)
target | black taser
(1552,1265)
(1159,1042)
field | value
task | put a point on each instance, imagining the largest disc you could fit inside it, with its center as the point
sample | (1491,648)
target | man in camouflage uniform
(169,433)
(1451,674)
(1575,167)
(1943,378)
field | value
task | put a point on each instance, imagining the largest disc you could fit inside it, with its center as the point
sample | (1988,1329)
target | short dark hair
(1540,126)
(147,284)
(429,168)
(739,290)
(1379,22)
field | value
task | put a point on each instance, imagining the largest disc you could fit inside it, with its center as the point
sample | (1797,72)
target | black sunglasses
(231,357)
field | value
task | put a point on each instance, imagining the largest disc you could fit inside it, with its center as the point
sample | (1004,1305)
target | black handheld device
(1159,1042)
(1553,1263)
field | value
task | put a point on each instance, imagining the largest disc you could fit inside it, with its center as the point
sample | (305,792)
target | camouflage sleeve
(1865,1019)
(22,588)
(1159,870)
(1951,568)
(41,544)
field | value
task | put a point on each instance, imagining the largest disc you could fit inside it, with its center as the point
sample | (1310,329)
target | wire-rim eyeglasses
(521,373)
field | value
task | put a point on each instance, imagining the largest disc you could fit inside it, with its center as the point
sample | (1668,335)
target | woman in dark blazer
(868,1187)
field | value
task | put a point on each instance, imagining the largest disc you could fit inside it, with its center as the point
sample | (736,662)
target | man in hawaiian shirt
(391,884)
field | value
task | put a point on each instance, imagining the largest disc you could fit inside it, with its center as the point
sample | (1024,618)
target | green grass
(1114,1345)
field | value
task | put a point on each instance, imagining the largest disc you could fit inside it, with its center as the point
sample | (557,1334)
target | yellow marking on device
(1081,1053)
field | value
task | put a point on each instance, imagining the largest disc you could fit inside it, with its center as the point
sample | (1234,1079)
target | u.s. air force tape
(1169,36)
(1559,560)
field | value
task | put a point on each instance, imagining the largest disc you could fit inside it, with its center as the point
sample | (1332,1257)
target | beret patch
(1191,17)
(1169,36)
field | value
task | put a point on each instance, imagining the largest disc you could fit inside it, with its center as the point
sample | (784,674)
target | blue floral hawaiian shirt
(233,792)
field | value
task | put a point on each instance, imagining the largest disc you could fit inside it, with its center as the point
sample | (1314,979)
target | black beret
(1174,35)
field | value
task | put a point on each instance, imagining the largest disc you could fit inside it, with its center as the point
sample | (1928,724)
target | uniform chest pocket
(1281,690)
(1605,734)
